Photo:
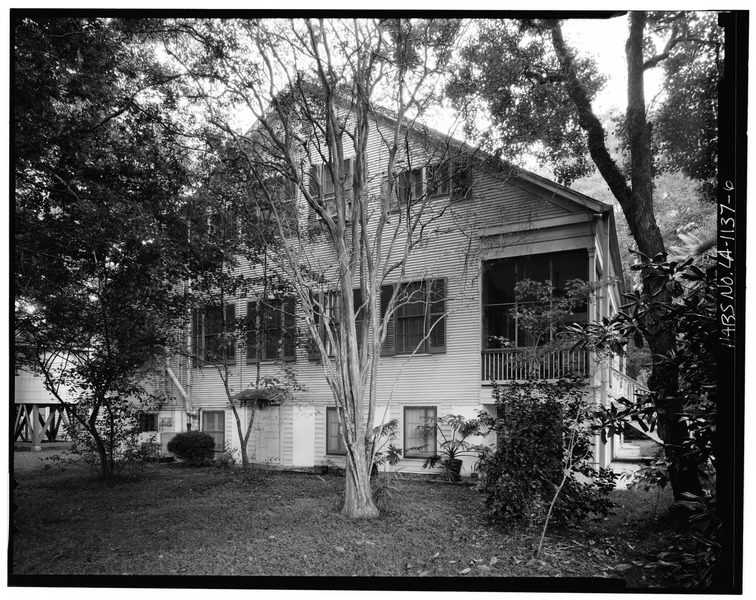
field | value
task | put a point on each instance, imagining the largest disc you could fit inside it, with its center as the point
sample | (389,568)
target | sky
(605,40)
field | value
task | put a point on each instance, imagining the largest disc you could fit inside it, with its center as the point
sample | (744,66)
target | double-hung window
(271,200)
(409,186)
(271,330)
(213,332)
(419,431)
(328,314)
(438,180)
(323,188)
(418,320)
(334,437)
(213,424)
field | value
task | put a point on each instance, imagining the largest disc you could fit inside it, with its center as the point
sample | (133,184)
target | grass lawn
(170,519)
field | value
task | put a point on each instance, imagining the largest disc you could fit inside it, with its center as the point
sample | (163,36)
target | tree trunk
(106,463)
(358,496)
(245,440)
(244,436)
(672,428)
(663,382)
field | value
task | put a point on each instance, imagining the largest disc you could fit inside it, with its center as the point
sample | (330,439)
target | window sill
(407,354)
(270,361)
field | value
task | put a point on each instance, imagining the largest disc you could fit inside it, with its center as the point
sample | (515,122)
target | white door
(268,435)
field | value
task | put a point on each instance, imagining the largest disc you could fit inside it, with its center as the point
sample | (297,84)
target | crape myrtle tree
(537,93)
(315,89)
(228,217)
(99,174)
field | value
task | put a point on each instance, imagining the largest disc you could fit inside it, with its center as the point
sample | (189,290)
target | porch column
(593,313)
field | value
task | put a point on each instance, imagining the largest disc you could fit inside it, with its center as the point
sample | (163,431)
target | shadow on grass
(171,519)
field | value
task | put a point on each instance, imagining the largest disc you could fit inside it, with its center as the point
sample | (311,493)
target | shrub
(117,428)
(192,446)
(542,428)
(228,458)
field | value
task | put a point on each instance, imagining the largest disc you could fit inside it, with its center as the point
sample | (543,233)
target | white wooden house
(500,226)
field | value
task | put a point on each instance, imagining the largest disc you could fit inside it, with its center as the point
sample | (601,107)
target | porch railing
(512,364)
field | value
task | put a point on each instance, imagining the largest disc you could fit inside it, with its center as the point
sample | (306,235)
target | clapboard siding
(502,216)
(510,200)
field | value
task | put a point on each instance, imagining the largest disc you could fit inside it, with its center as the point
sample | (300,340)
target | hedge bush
(192,446)
(519,477)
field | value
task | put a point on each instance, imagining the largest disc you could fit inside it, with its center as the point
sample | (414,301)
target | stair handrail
(634,387)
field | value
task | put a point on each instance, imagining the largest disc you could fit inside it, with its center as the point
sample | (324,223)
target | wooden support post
(36,430)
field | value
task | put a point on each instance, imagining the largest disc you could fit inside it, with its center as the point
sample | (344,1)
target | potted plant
(455,445)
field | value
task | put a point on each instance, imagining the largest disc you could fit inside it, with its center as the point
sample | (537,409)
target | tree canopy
(100,171)
(685,118)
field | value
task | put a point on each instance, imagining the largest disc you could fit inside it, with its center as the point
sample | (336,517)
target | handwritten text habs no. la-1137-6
(726,271)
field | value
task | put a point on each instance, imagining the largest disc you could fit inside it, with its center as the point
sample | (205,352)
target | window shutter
(289,330)
(273,328)
(417,184)
(312,351)
(229,337)
(389,343)
(314,181)
(437,316)
(196,337)
(348,175)
(337,309)
(461,180)
(393,203)
(359,315)
(252,336)
(432,183)
(313,185)
(403,189)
